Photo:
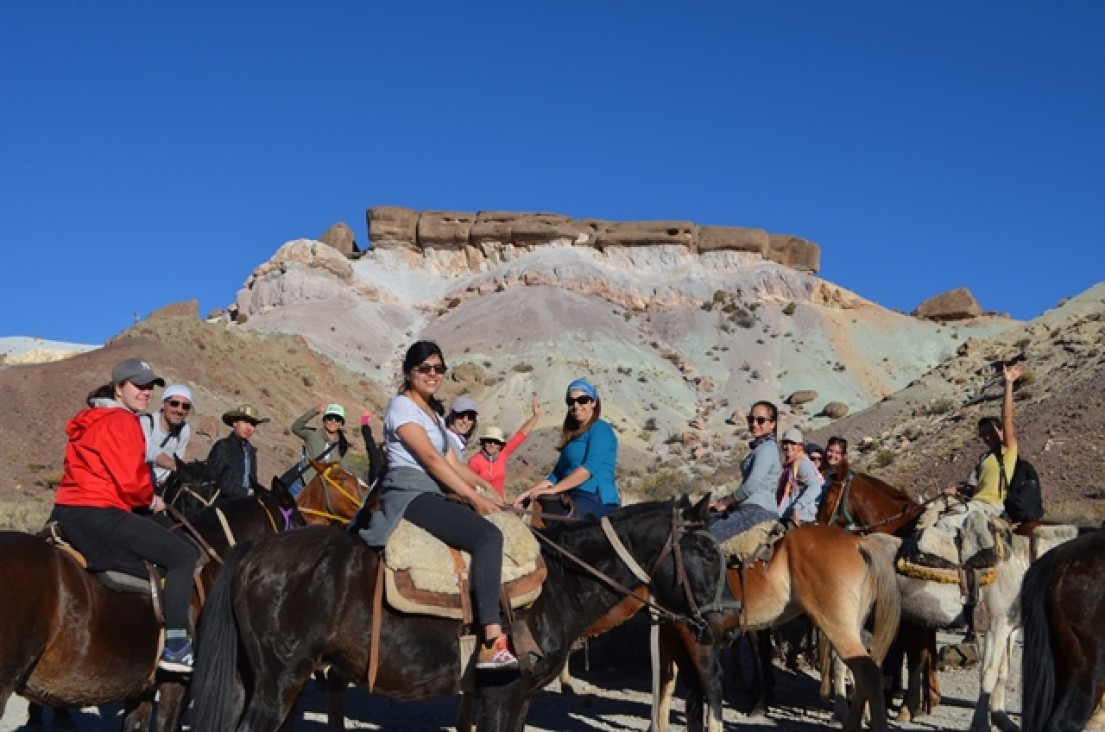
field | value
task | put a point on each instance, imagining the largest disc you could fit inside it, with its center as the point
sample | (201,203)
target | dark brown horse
(316,586)
(66,640)
(864,504)
(333,496)
(1063,611)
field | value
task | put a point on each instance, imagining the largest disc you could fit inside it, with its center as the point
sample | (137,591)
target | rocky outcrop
(487,234)
(340,236)
(958,304)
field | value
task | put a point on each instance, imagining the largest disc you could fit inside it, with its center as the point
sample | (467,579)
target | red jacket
(105,461)
(494,471)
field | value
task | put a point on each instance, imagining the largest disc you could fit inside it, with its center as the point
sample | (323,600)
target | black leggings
(463,528)
(144,538)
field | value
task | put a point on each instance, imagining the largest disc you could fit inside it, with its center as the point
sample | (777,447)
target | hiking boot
(497,656)
(178,659)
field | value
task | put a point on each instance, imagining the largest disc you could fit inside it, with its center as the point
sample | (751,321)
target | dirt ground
(609,699)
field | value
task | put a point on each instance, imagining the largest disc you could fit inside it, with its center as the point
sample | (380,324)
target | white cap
(793,435)
(176,390)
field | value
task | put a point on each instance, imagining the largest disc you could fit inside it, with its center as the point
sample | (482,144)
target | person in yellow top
(986,484)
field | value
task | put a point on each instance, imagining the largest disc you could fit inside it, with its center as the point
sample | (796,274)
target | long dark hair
(416,354)
(572,427)
(103,391)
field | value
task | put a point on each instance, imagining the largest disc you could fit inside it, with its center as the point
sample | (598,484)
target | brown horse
(316,587)
(67,640)
(864,504)
(1063,606)
(835,578)
(333,496)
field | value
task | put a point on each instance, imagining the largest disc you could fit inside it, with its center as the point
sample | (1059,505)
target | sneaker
(497,656)
(179,660)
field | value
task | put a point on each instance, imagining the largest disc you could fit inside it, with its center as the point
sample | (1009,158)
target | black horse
(66,640)
(299,600)
(190,489)
(1063,611)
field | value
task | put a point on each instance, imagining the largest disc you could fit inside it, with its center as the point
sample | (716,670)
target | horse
(317,586)
(1063,610)
(864,504)
(333,496)
(190,489)
(835,578)
(67,640)
(938,606)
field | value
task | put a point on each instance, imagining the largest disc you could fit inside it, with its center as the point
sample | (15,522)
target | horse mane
(882,485)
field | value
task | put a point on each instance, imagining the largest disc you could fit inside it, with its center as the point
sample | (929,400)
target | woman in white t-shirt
(422,469)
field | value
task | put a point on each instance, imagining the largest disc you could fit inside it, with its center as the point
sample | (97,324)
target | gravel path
(609,699)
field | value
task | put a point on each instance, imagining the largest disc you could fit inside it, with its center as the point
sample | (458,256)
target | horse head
(333,496)
(191,488)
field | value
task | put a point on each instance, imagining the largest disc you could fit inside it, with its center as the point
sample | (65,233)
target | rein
(915,509)
(328,483)
(678,527)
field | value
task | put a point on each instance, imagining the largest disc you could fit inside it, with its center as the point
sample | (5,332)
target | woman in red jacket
(490,462)
(106,482)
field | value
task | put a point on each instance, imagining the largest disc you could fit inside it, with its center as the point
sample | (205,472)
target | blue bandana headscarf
(584,386)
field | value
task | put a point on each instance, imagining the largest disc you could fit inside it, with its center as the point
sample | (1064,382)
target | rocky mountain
(678,335)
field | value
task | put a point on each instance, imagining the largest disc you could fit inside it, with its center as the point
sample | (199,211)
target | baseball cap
(464,404)
(336,410)
(137,372)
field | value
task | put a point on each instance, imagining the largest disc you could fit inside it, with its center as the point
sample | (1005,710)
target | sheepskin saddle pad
(946,576)
(420,575)
(951,534)
(751,543)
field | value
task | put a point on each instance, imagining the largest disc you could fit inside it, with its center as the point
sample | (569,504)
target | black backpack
(1023,500)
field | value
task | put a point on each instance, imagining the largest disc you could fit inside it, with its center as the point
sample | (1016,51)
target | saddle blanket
(746,545)
(951,534)
(420,575)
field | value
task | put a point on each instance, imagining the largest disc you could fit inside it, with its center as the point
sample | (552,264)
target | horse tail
(215,679)
(1038,659)
(878,551)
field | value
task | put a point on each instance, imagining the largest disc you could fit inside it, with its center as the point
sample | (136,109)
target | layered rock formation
(490,234)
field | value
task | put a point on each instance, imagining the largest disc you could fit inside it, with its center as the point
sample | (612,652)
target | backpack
(1023,499)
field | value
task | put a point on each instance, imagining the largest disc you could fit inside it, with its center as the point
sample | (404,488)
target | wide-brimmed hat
(493,433)
(246,412)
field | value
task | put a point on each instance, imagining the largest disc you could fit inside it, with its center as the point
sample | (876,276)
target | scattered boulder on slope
(801,397)
(957,304)
(835,410)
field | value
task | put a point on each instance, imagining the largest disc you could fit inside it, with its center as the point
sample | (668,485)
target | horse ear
(281,494)
(701,509)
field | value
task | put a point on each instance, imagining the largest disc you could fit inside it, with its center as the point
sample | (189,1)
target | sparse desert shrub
(882,458)
(664,483)
(942,405)
(651,424)
(790,308)
(1023,343)
(522,368)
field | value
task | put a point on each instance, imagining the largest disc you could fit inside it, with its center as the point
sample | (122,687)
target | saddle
(756,543)
(423,576)
(951,535)
(116,570)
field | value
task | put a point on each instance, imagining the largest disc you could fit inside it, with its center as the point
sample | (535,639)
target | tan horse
(835,578)
(333,496)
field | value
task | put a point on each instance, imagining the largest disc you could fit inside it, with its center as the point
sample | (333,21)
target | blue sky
(158,152)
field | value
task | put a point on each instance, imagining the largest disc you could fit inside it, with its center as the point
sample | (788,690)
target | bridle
(679,528)
(328,484)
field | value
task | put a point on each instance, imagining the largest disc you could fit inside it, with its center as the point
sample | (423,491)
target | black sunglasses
(578,400)
(469,414)
(757,419)
(431,368)
(176,404)
(335,417)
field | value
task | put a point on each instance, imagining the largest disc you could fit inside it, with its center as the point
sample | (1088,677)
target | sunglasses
(431,368)
(757,420)
(578,400)
(815,458)
(334,417)
(466,415)
(177,404)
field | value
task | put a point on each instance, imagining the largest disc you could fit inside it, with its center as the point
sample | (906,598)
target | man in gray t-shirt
(167,432)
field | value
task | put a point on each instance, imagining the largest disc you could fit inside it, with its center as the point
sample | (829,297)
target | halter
(679,528)
(328,483)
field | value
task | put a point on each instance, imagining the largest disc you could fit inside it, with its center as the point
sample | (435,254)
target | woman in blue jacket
(588,455)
